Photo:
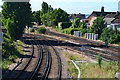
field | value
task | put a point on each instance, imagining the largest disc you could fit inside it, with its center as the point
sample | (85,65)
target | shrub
(70,30)
(63,25)
(110,36)
(41,30)
(32,30)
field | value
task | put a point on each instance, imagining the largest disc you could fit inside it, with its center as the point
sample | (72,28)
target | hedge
(70,30)
(63,25)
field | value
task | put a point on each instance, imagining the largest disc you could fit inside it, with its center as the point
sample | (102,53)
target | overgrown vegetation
(10,51)
(92,70)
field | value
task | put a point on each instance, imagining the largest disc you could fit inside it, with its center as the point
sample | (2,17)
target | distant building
(111,18)
(113,21)
(95,14)
(73,16)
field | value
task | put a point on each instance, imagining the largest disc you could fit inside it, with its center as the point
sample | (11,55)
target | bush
(110,36)
(70,30)
(63,25)
(32,30)
(41,30)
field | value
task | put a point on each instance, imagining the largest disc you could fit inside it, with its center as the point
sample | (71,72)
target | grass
(72,56)
(72,70)
(10,52)
(91,70)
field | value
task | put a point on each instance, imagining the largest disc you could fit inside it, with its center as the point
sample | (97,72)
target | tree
(36,17)
(50,8)
(52,18)
(60,16)
(98,25)
(76,23)
(110,35)
(44,7)
(82,25)
(15,16)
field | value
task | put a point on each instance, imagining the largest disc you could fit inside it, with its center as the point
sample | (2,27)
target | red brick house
(95,14)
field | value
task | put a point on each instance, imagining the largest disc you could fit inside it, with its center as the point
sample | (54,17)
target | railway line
(56,55)
(107,54)
(85,41)
(38,65)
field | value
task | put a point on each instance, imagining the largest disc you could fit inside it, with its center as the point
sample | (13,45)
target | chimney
(102,9)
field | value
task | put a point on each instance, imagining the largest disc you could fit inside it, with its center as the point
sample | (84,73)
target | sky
(77,6)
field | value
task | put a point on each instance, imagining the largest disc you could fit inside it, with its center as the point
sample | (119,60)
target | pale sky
(77,6)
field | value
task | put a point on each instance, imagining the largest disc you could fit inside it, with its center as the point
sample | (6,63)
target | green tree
(15,16)
(36,17)
(50,8)
(82,25)
(44,7)
(52,18)
(76,23)
(110,35)
(98,25)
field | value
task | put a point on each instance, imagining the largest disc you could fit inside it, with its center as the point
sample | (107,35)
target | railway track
(30,64)
(39,68)
(59,66)
(107,55)
(85,41)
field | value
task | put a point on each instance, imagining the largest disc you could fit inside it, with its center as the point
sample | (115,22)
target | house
(95,14)
(115,23)
(73,16)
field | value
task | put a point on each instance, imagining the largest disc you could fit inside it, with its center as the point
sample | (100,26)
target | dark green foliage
(41,30)
(44,7)
(50,8)
(82,25)
(32,30)
(15,16)
(36,17)
(98,25)
(9,51)
(110,35)
(52,18)
(76,23)
(64,25)
(70,30)
(84,31)
(13,29)
(47,19)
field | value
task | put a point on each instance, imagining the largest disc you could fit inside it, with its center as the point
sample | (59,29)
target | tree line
(49,16)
